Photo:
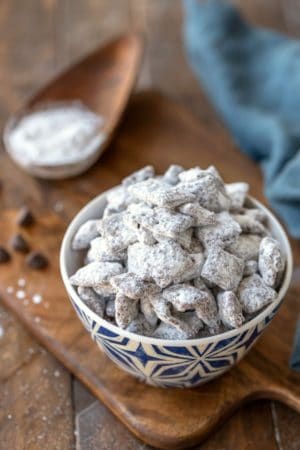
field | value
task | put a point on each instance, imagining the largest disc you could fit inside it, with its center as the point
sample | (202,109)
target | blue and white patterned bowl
(162,362)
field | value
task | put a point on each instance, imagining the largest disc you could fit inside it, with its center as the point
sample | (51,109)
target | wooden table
(38,39)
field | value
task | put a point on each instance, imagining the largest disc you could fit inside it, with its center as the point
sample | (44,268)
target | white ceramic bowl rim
(72,228)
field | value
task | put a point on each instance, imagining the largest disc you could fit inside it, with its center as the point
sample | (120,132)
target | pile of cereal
(179,256)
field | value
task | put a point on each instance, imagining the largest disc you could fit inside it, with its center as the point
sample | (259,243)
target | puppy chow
(180,256)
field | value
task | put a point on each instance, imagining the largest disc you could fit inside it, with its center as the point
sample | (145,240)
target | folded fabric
(295,357)
(252,77)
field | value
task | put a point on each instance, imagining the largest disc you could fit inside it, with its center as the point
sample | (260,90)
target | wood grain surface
(40,38)
(152,123)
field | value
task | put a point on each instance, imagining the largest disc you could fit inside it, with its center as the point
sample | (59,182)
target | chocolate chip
(19,244)
(25,217)
(4,255)
(37,260)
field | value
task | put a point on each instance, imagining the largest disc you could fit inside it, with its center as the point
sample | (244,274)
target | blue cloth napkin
(295,357)
(252,77)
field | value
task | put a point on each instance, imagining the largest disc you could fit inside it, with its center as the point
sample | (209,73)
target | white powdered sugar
(56,134)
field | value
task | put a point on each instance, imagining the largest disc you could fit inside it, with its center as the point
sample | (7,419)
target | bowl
(162,362)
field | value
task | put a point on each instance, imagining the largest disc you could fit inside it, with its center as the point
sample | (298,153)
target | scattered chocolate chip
(25,217)
(19,244)
(4,255)
(37,260)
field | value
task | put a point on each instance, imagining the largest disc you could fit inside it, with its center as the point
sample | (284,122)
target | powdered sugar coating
(225,231)
(148,311)
(209,192)
(237,193)
(132,286)
(116,232)
(92,300)
(160,221)
(140,175)
(141,326)
(162,262)
(271,261)
(250,267)
(230,309)
(101,251)
(85,234)
(223,269)
(250,225)
(184,297)
(171,176)
(156,192)
(254,294)
(200,215)
(126,310)
(96,274)
(245,246)
(178,256)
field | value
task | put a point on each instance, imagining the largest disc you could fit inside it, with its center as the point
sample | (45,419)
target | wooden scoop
(103,81)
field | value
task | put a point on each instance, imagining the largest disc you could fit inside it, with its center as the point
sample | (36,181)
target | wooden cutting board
(155,131)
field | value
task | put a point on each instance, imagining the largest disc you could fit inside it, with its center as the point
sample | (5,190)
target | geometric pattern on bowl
(183,363)
(173,365)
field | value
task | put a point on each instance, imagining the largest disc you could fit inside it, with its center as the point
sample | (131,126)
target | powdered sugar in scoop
(55,134)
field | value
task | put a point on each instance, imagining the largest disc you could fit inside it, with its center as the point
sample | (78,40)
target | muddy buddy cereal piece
(246,247)
(200,215)
(185,239)
(141,326)
(100,251)
(126,310)
(160,221)
(145,236)
(105,290)
(250,225)
(254,294)
(225,231)
(184,297)
(96,274)
(85,234)
(132,286)
(117,200)
(140,175)
(166,331)
(163,311)
(148,311)
(162,262)
(207,311)
(271,261)
(95,302)
(171,175)
(117,234)
(208,193)
(250,268)
(237,193)
(192,320)
(223,269)
(196,173)
(254,213)
(193,269)
(230,309)
(156,192)
(178,256)
(110,310)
